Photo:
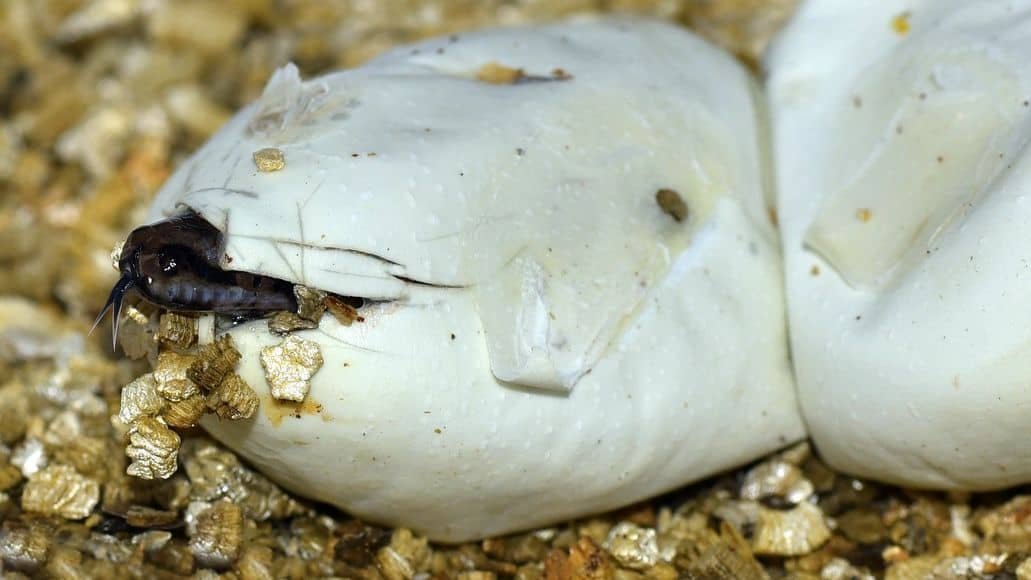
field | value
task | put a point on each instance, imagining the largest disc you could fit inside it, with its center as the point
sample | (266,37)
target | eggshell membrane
(546,342)
(900,132)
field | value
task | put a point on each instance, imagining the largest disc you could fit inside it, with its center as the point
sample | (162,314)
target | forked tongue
(114,304)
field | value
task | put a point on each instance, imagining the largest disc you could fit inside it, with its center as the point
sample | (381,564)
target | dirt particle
(671,203)
(276,410)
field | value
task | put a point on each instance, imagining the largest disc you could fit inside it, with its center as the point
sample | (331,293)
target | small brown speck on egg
(498,74)
(560,74)
(671,203)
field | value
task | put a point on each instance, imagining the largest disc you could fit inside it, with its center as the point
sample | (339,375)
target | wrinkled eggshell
(548,336)
(902,174)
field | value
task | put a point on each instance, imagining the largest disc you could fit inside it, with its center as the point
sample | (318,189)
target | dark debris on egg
(99,100)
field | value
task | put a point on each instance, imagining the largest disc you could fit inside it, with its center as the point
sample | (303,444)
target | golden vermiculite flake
(632,546)
(176,390)
(145,517)
(140,398)
(116,255)
(176,395)
(218,535)
(10,475)
(24,546)
(185,413)
(255,562)
(153,448)
(311,303)
(214,362)
(88,455)
(722,555)
(177,330)
(286,322)
(170,374)
(289,367)
(790,532)
(406,555)
(62,491)
(233,399)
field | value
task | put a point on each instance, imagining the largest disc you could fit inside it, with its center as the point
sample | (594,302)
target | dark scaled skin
(174,264)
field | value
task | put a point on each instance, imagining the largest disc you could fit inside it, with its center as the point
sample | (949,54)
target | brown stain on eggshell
(276,410)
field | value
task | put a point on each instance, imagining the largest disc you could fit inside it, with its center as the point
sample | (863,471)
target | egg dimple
(938,121)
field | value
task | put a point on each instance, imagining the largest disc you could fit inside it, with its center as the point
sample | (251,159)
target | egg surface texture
(573,284)
(901,131)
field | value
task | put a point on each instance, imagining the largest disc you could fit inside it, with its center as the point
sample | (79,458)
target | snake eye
(168,264)
(171,260)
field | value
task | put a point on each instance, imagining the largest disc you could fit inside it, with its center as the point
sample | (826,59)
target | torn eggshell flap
(544,324)
(900,135)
